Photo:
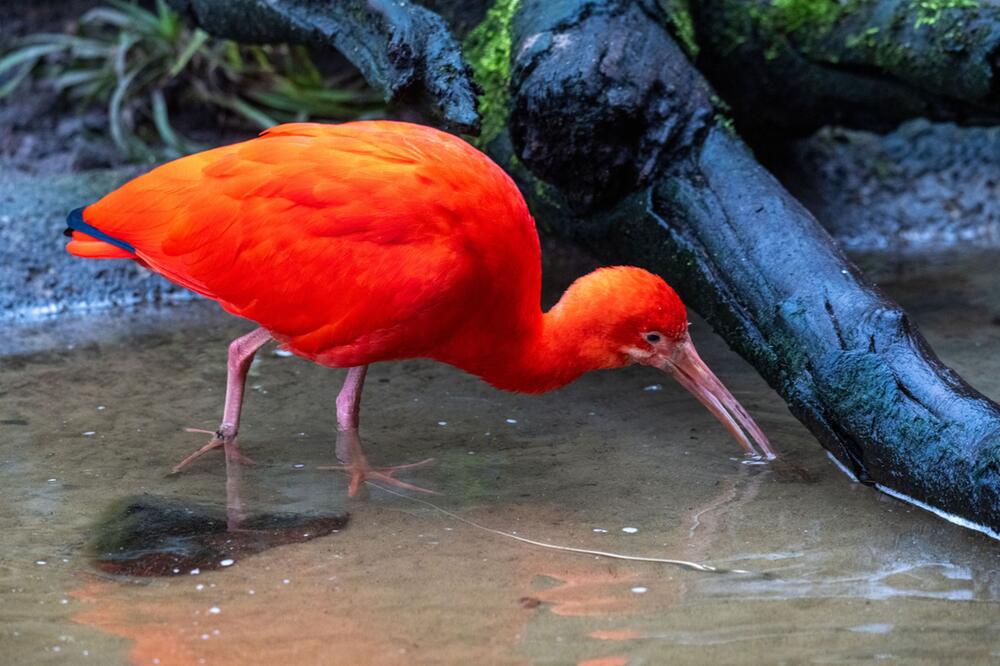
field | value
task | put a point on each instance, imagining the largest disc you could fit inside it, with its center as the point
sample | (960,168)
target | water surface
(92,413)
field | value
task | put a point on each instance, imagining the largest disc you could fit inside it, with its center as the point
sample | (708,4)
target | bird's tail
(90,242)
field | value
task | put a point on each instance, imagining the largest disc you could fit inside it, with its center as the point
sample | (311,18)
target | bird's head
(625,315)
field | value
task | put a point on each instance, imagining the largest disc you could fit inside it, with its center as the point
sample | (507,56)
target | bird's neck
(545,351)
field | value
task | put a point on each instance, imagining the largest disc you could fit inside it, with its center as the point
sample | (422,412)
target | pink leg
(241,353)
(349,449)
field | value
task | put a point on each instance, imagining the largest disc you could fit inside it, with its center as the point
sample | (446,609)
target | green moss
(725,122)
(488,49)
(808,20)
(929,11)
(866,38)
(679,17)
(787,16)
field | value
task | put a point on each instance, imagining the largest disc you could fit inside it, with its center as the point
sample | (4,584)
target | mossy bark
(796,65)
(621,145)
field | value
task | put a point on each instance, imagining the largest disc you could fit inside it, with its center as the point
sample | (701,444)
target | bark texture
(797,65)
(740,250)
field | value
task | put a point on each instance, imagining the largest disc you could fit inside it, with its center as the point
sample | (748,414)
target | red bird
(377,241)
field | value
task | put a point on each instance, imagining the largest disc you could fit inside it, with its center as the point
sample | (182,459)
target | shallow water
(92,412)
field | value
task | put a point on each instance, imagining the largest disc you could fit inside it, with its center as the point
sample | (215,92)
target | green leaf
(197,41)
(248,111)
(81,47)
(106,15)
(161,119)
(15,81)
(125,42)
(121,133)
(28,54)
(169,21)
(76,77)
(143,20)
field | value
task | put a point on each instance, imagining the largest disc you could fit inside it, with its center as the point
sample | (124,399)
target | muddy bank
(38,278)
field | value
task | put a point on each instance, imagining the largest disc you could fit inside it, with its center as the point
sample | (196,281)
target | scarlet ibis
(377,241)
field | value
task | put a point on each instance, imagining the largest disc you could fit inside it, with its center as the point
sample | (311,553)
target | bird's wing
(330,237)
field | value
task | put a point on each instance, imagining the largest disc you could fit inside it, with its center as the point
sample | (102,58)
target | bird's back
(351,243)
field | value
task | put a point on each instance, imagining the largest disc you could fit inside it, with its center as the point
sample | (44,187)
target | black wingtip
(75,222)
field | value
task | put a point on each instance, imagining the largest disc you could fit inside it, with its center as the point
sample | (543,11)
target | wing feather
(349,243)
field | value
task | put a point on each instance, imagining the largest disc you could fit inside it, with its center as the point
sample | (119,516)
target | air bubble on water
(600,530)
(199,587)
(214,610)
(654,387)
(195,571)
(630,530)
(227,563)
(442,423)
(283,353)
(41,562)
(639,589)
(298,466)
(89,433)
(511,421)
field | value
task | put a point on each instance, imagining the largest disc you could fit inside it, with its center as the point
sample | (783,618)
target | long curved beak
(686,366)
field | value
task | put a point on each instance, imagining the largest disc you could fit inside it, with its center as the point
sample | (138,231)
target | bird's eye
(652,337)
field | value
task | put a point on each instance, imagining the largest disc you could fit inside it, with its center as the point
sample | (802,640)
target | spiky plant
(133,60)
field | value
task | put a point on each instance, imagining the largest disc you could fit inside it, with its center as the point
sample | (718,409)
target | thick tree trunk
(603,103)
(789,67)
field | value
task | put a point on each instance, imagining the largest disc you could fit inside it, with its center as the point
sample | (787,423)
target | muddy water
(93,414)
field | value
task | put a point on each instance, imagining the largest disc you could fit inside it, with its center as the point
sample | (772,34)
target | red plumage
(373,241)
(350,243)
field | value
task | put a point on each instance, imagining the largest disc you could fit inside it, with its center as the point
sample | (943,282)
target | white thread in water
(696,566)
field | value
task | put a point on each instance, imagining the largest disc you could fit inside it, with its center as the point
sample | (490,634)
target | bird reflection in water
(152,535)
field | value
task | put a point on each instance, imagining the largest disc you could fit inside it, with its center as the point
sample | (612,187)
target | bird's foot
(362,471)
(220,438)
